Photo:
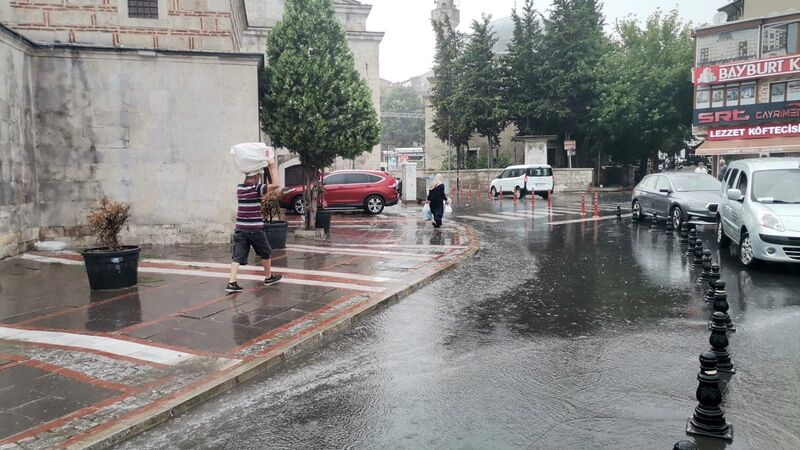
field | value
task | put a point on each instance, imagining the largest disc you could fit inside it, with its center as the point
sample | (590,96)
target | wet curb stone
(116,431)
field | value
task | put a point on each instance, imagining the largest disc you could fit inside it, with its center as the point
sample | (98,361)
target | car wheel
(374,204)
(723,241)
(297,205)
(545,195)
(746,253)
(517,193)
(494,192)
(636,211)
(677,217)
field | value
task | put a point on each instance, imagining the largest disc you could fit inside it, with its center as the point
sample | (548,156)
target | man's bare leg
(267,264)
(234,272)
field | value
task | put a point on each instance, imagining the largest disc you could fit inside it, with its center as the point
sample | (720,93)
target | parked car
(370,190)
(680,196)
(760,209)
(534,179)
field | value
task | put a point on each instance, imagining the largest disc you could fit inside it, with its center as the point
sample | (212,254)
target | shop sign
(754,132)
(757,113)
(724,73)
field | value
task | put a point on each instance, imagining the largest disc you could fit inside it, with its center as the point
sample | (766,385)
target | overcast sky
(407,48)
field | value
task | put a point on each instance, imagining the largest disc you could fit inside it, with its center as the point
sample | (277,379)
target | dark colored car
(681,196)
(370,190)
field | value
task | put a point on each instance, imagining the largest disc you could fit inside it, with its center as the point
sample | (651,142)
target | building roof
(504,31)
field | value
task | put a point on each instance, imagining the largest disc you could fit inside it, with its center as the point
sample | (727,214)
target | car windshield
(777,186)
(695,183)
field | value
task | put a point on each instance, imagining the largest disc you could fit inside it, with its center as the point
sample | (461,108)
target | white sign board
(536,152)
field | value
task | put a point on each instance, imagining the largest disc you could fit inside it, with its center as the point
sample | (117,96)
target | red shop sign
(754,132)
(746,70)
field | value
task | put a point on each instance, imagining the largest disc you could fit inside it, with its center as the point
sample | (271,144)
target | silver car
(681,196)
(760,210)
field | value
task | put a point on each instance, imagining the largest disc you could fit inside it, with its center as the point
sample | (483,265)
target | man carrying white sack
(249,230)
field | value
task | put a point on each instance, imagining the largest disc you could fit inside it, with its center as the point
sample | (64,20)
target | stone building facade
(139,100)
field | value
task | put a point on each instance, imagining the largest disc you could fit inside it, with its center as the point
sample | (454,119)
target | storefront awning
(749,146)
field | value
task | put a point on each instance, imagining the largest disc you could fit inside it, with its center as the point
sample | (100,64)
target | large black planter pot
(112,270)
(323,221)
(276,234)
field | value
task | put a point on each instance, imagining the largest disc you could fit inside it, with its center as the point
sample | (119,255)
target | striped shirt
(248,212)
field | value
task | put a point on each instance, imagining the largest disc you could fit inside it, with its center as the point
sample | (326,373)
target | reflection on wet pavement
(582,335)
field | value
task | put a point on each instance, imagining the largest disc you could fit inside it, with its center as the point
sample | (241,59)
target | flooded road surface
(576,335)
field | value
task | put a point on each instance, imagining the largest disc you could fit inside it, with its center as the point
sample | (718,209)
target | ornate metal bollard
(684,445)
(721,304)
(698,253)
(619,213)
(719,343)
(708,419)
(654,221)
(705,275)
(713,277)
(670,229)
(684,233)
(692,240)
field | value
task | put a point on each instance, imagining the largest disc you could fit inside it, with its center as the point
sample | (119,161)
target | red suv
(368,189)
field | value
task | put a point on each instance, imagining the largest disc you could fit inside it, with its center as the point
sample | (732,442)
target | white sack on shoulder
(251,158)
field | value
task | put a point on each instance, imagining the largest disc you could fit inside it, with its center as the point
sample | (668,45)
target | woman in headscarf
(437,199)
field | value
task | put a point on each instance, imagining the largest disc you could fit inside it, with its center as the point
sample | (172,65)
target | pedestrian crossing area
(561,214)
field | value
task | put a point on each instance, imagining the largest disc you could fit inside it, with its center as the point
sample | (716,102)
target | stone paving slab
(84,369)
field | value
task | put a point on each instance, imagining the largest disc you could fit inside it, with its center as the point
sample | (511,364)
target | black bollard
(721,304)
(670,228)
(712,278)
(684,233)
(708,419)
(692,240)
(698,254)
(719,343)
(654,221)
(619,213)
(684,445)
(705,275)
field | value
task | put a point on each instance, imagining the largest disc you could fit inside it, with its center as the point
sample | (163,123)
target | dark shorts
(243,240)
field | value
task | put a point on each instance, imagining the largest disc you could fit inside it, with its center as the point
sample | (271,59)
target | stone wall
(19,224)
(154,131)
(566,180)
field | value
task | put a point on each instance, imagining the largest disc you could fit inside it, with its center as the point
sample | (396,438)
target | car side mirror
(665,191)
(734,195)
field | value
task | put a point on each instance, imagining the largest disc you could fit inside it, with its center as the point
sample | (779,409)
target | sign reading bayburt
(746,70)
(757,113)
(754,132)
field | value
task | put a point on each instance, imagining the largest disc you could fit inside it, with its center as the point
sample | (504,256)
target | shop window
(777,92)
(703,98)
(793,90)
(143,9)
(780,40)
(732,96)
(717,98)
(747,94)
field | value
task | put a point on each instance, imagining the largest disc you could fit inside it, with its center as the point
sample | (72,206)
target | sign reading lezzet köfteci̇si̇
(724,73)
(756,113)
(754,132)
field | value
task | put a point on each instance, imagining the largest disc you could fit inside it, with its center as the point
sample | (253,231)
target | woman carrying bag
(437,200)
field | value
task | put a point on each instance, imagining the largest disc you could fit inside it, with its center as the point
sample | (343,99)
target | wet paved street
(568,334)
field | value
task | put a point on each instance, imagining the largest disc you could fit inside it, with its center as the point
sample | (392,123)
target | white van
(523,180)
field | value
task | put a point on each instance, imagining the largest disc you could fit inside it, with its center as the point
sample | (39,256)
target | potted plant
(323,216)
(275,228)
(111,265)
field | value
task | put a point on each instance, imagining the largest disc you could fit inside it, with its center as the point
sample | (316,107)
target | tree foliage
(403,132)
(480,91)
(522,71)
(646,99)
(449,123)
(314,103)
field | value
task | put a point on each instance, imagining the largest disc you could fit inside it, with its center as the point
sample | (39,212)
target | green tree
(480,91)
(399,131)
(572,47)
(449,124)
(522,67)
(647,95)
(313,102)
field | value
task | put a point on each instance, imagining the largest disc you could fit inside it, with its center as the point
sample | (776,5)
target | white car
(760,209)
(523,180)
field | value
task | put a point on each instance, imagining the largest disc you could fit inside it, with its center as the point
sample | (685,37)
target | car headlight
(769,220)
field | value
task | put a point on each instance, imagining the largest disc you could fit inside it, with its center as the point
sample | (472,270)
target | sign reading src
(757,113)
